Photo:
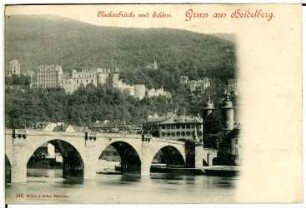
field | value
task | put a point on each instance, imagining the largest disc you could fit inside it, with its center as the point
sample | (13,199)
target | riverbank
(221,170)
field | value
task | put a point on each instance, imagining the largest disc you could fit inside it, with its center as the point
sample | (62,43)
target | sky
(88,14)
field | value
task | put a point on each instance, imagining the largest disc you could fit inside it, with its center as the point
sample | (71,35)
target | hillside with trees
(45,39)
(42,40)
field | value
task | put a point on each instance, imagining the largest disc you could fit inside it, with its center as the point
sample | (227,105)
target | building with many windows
(176,127)
(47,76)
(14,68)
(182,127)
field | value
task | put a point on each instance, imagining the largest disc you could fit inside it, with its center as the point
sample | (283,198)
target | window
(173,134)
(178,133)
(188,133)
(183,133)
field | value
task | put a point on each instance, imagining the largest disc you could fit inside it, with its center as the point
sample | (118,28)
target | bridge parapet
(33,132)
(92,135)
(90,138)
(169,141)
(19,136)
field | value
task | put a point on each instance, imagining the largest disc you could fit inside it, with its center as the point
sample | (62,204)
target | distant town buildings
(194,85)
(14,68)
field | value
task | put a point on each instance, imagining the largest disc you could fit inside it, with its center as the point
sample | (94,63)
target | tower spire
(208,108)
(228,110)
(228,93)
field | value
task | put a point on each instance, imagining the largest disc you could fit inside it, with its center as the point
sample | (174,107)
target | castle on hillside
(194,85)
(52,76)
(71,82)
(47,76)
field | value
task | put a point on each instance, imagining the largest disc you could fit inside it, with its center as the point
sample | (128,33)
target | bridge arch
(9,157)
(72,164)
(168,155)
(8,166)
(130,156)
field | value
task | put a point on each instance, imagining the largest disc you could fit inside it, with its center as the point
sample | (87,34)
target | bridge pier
(209,155)
(146,159)
(145,169)
(199,156)
(90,169)
(90,172)
(19,164)
(18,173)
(90,164)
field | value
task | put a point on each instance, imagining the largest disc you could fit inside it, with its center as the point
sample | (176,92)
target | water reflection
(127,188)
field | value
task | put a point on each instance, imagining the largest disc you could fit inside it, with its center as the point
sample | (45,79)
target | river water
(48,186)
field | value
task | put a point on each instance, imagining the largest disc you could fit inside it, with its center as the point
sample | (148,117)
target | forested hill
(46,39)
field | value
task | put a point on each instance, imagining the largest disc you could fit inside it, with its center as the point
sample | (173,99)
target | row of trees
(27,107)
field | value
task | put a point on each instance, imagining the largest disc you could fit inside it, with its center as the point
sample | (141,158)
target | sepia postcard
(153,104)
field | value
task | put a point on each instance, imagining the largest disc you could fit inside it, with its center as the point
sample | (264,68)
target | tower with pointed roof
(228,111)
(208,109)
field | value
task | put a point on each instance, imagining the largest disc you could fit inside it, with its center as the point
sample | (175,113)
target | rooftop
(173,119)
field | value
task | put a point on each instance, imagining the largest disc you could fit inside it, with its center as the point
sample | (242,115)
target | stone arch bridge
(21,144)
